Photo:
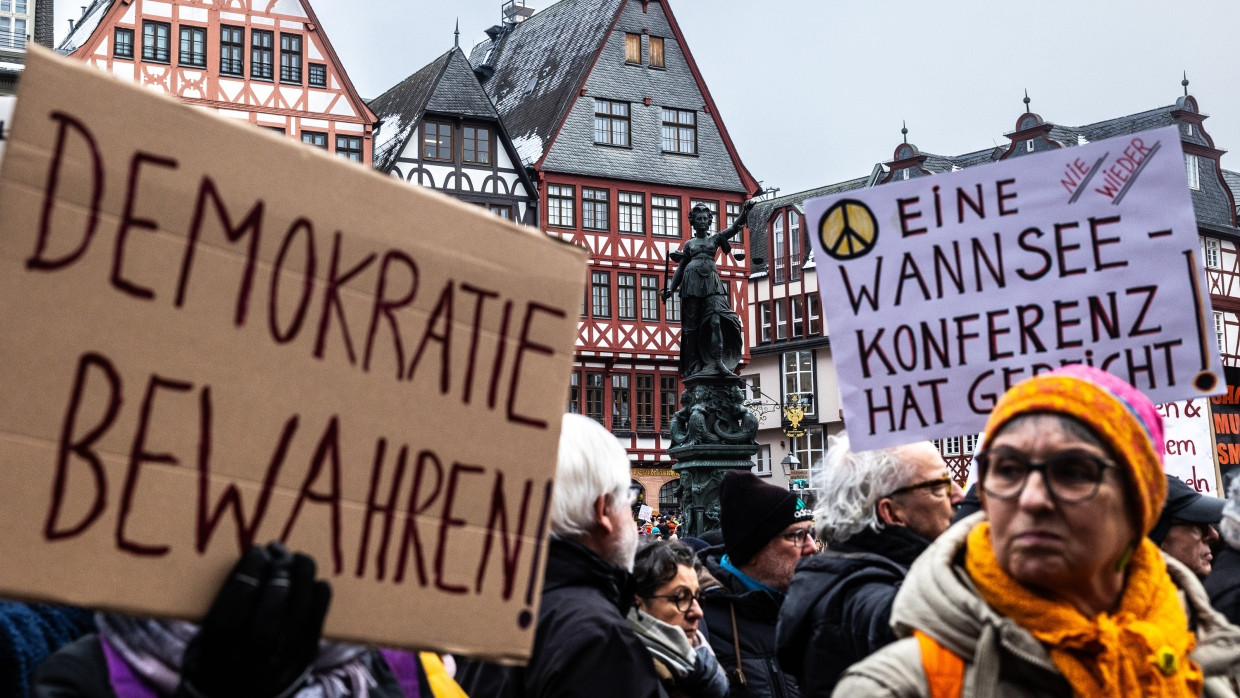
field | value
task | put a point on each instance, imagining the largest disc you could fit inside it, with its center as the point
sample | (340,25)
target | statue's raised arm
(739,223)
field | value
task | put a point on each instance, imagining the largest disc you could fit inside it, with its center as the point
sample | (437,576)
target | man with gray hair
(877,511)
(583,646)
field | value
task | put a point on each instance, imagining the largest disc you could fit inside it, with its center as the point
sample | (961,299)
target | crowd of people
(1075,566)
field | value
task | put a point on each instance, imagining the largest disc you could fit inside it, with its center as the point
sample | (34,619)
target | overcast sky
(814,91)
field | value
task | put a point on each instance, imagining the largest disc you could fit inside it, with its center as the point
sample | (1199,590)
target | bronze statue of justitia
(711,341)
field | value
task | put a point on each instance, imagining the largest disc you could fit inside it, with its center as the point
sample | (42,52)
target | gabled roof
(101,11)
(447,85)
(540,64)
(546,72)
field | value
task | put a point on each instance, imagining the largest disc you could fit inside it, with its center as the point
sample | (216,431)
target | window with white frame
(798,316)
(594,208)
(733,211)
(970,443)
(798,374)
(679,131)
(810,449)
(764,310)
(620,401)
(631,212)
(779,261)
(560,205)
(665,216)
(762,460)
(650,298)
(1210,252)
(1192,164)
(781,320)
(611,122)
(794,246)
(1220,331)
(671,309)
(951,446)
(600,296)
(626,296)
(815,315)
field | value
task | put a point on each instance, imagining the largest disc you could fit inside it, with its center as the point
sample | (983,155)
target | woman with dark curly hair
(666,617)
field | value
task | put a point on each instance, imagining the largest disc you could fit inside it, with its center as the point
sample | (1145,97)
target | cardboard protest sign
(6,119)
(941,292)
(1188,444)
(216,337)
(1225,420)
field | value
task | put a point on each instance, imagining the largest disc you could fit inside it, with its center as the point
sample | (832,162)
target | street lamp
(790,463)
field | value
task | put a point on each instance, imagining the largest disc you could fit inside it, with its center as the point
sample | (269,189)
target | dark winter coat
(756,614)
(583,646)
(839,605)
(1223,584)
(80,670)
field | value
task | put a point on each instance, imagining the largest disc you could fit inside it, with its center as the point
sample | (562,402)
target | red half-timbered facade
(267,62)
(606,106)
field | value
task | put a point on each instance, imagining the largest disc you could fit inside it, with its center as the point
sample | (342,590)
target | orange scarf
(1142,649)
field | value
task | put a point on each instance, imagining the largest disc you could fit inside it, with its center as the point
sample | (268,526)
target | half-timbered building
(267,62)
(791,345)
(605,103)
(438,129)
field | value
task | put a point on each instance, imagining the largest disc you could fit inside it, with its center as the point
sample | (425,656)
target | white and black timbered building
(438,129)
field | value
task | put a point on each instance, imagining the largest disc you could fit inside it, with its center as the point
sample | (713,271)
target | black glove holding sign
(261,636)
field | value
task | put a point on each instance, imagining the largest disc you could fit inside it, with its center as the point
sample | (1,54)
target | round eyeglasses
(1069,476)
(683,599)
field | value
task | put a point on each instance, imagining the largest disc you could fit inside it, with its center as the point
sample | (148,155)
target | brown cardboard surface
(216,336)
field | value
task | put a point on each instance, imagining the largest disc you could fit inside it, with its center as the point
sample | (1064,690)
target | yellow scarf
(1142,649)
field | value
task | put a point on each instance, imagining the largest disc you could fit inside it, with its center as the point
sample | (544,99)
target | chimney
(515,11)
(70,25)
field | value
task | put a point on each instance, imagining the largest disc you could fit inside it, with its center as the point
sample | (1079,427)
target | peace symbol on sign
(848,229)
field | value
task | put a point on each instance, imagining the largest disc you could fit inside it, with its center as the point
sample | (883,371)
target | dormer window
(679,131)
(476,145)
(611,122)
(437,141)
(1029,146)
(1192,166)
(633,49)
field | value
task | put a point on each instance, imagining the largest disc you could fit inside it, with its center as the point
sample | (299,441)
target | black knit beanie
(751,513)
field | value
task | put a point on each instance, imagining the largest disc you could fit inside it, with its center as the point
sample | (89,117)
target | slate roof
(540,64)
(446,85)
(85,26)
(548,71)
(44,21)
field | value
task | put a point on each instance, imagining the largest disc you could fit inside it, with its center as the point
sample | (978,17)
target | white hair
(849,486)
(591,464)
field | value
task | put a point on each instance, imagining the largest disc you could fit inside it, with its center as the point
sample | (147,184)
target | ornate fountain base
(712,434)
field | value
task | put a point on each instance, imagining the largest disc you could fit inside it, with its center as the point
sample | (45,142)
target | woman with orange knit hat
(1054,589)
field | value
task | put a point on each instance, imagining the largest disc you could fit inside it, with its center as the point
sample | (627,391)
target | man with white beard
(582,645)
